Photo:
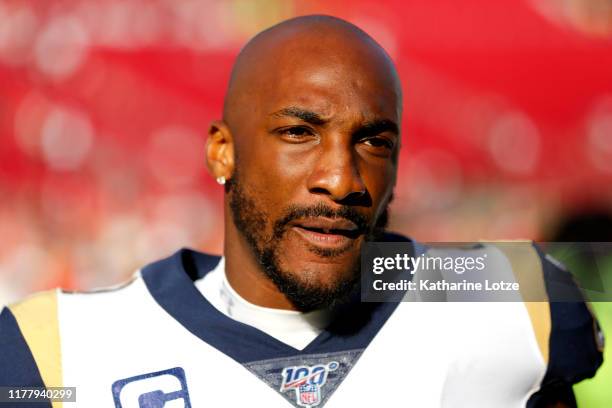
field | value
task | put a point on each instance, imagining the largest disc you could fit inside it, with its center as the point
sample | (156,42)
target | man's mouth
(327,233)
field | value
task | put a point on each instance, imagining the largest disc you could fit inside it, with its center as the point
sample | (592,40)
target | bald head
(301,46)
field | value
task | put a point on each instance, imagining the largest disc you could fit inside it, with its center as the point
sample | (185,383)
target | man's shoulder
(35,316)
(29,340)
(42,307)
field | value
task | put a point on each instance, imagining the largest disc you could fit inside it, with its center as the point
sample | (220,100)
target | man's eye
(296,132)
(379,142)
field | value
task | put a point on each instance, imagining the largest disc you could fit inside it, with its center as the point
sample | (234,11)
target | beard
(252,222)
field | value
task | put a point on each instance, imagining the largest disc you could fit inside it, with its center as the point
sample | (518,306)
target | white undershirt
(294,328)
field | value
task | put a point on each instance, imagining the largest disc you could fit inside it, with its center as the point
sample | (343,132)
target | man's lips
(327,232)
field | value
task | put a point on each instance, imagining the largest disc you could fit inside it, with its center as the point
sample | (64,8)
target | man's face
(316,161)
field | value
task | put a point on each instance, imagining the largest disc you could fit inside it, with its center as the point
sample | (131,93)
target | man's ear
(220,150)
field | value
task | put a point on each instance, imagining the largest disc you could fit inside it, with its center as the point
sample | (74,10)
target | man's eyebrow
(377,126)
(303,114)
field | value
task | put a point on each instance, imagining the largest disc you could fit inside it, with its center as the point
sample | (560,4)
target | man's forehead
(348,62)
(328,61)
(329,86)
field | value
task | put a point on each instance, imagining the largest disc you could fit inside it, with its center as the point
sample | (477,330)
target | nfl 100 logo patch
(307,381)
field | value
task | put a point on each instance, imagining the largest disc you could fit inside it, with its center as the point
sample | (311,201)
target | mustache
(295,212)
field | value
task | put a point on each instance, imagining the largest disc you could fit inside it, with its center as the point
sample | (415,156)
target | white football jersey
(157,342)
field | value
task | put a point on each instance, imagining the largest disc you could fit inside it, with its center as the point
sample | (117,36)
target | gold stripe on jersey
(528,271)
(38,323)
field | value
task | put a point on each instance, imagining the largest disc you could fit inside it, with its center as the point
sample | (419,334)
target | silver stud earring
(221,180)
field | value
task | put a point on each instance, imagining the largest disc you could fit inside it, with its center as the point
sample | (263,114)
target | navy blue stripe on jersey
(17,365)
(170,282)
(573,349)
(574,353)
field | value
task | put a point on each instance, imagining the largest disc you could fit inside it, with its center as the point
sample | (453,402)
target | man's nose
(336,173)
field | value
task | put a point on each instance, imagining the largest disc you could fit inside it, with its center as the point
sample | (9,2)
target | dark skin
(311,117)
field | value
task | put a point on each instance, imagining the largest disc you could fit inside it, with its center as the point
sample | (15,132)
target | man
(307,151)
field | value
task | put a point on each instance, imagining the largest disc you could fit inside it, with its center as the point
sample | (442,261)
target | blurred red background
(104,107)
